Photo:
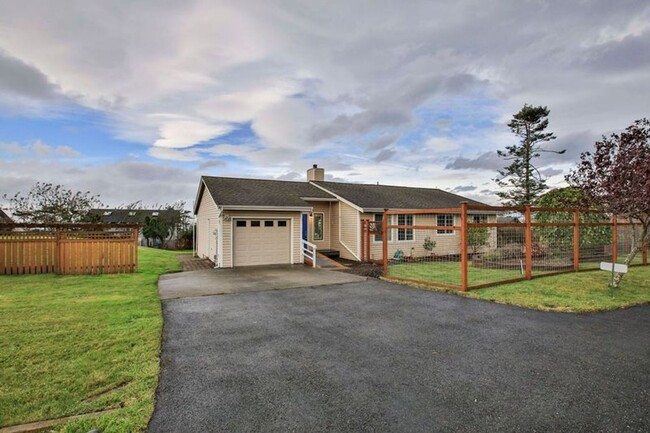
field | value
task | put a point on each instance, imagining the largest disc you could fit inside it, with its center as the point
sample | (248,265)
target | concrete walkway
(248,279)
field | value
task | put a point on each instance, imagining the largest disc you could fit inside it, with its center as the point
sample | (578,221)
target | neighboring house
(138,216)
(242,222)
(4,218)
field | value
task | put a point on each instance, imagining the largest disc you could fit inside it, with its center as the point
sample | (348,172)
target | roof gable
(231,191)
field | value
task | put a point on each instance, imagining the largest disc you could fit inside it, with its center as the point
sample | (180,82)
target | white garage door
(261,242)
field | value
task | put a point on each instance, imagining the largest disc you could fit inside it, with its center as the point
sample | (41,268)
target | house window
(155,213)
(479,219)
(282,223)
(379,217)
(241,223)
(107,213)
(404,234)
(132,213)
(318,226)
(445,220)
(268,223)
(255,223)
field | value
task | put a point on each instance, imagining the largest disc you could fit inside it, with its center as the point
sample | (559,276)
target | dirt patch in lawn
(363,269)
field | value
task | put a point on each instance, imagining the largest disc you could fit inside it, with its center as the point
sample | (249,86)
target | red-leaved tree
(616,178)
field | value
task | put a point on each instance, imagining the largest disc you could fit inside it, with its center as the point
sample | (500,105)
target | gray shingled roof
(4,218)
(231,191)
(123,216)
(369,196)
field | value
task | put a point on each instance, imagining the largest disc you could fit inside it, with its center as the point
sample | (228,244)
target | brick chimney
(316,174)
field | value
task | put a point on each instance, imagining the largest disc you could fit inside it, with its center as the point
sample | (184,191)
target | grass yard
(570,292)
(78,344)
(449,273)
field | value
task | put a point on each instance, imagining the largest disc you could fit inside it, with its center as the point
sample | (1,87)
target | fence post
(384,241)
(529,242)
(614,239)
(57,250)
(576,240)
(136,233)
(463,246)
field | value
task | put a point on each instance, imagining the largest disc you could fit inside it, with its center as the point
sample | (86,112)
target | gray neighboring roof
(123,216)
(4,218)
(375,197)
(232,191)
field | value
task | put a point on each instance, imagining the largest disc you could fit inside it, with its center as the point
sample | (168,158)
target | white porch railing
(309,251)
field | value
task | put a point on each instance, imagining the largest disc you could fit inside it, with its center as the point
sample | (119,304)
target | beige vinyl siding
(207,219)
(325,209)
(334,232)
(348,228)
(446,244)
(294,218)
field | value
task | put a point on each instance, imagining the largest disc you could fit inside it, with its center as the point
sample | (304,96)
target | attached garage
(261,241)
(252,222)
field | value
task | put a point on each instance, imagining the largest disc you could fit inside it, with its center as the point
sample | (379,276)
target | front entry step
(332,254)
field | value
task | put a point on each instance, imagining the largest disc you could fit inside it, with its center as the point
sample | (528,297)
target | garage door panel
(262,244)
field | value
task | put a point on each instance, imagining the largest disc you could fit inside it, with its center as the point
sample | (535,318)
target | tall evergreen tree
(521,180)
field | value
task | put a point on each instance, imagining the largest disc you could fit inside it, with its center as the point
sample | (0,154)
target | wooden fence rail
(34,251)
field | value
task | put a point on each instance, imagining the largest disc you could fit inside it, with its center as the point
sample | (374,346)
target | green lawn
(570,292)
(65,340)
(449,273)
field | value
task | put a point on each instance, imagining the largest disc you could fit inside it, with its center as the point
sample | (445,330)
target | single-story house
(138,217)
(243,222)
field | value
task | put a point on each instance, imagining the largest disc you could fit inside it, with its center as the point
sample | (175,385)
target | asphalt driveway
(373,356)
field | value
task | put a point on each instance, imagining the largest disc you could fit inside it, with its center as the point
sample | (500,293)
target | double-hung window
(445,220)
(404,234)
(379,218)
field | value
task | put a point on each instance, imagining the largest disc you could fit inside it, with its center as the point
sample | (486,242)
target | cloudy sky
(135,100)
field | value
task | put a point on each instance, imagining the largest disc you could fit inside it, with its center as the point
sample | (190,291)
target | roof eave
(268,208)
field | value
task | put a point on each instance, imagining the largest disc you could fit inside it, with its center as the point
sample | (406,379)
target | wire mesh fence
(477,246)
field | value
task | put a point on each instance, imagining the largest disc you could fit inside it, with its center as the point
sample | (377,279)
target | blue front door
(304,227)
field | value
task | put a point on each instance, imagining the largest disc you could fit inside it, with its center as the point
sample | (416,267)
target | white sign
(621,269)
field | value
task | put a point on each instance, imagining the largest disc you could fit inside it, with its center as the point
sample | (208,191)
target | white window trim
(396,234)
(453,223)
(393,220)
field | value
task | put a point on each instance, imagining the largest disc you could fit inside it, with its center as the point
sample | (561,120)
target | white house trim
(270,208)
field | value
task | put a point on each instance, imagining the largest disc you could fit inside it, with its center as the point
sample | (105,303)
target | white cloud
(321,79)
(186,133)
(13,148)
(441,144)
(174,154)
(67,151)
(41,149)
(38,148)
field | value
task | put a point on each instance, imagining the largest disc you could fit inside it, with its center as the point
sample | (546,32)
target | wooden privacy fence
(478,246)
(68,249)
